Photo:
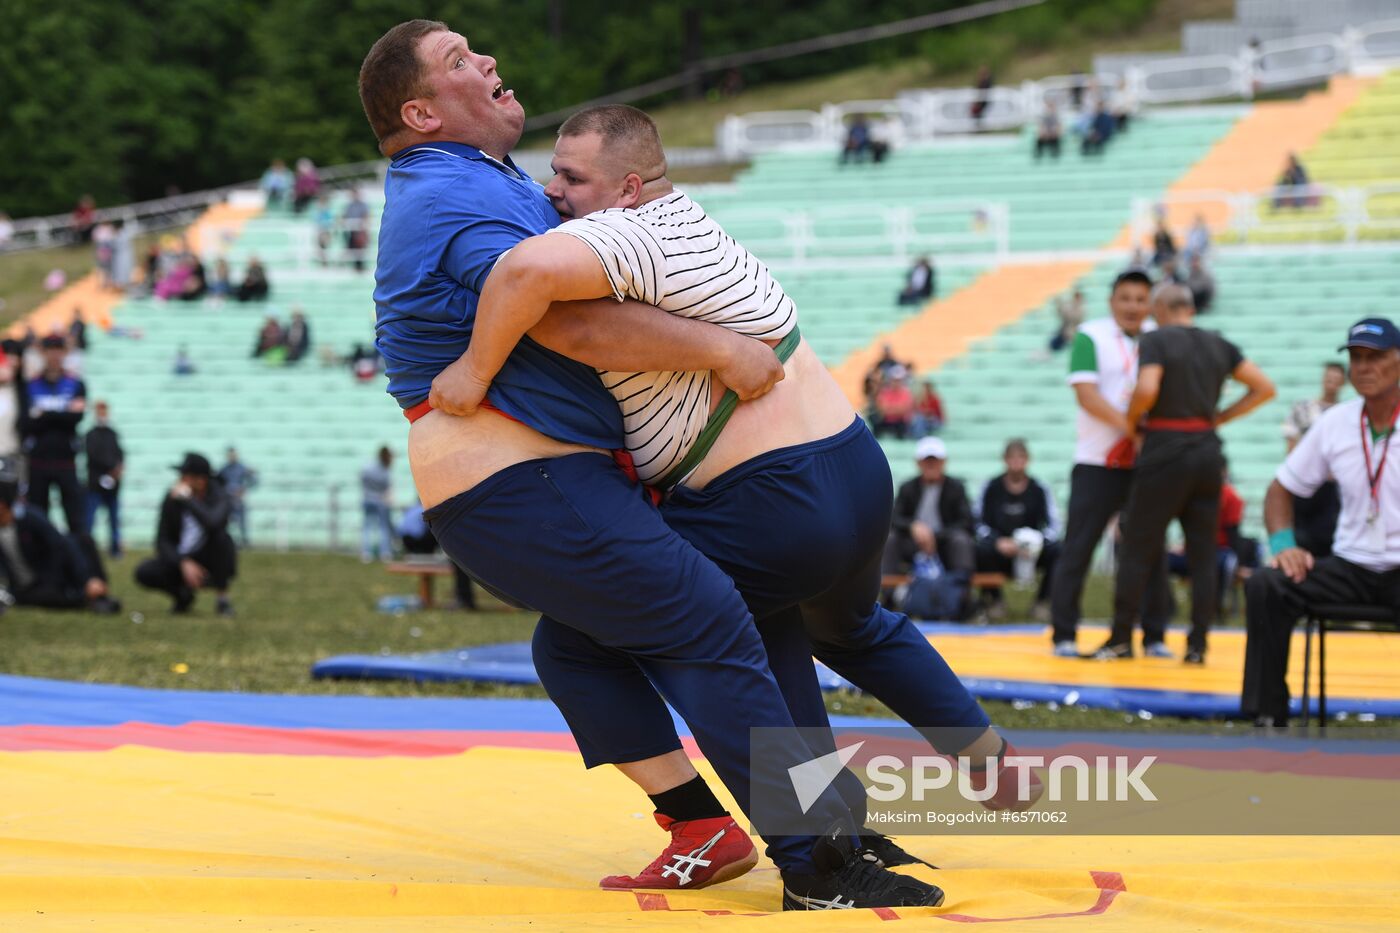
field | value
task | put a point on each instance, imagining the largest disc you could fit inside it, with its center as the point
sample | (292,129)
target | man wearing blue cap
(1352,443)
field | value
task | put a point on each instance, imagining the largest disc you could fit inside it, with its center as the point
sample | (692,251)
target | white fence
(1306,212)
(929,114)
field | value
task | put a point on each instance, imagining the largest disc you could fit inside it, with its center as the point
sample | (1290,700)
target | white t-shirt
(1333,448)
(1104,355)
(669,253)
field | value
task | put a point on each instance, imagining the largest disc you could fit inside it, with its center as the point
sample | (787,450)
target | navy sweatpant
(573,538)
(801,531)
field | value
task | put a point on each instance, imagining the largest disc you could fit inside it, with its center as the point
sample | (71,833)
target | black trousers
(1274,604)
(218,557)
(1096,494)
(42,479)
(1315,519)
(1184,486)
(1051,145)
(69,593)
(990,560)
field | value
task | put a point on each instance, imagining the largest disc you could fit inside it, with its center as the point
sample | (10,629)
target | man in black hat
(57,400)
(193,546)
(43,567)
(1352,443)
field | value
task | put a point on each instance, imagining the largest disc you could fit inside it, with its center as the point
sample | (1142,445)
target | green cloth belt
(719,418)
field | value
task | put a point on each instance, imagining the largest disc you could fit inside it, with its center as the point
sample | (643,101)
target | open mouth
(498,91)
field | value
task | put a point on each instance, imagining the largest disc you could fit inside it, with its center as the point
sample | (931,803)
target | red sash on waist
(422,408)
(1181,425)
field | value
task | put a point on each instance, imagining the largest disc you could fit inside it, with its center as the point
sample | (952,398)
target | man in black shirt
(932,515)
(1011,502)
(1181,373)
(43,567)
(104,471)
(193,547)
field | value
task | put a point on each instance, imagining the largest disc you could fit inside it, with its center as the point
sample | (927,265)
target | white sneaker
(1066,649)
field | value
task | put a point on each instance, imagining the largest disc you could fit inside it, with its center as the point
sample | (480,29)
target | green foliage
(128,100)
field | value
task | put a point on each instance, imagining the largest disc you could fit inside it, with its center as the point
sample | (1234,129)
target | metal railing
(934,113)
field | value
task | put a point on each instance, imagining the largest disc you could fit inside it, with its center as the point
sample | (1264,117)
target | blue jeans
(377,534)
(108,499)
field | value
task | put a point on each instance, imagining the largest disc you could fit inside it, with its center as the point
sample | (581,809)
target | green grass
(22,276)
(296,608)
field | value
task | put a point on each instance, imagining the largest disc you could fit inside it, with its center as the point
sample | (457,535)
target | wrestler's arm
(1149,386)
(523,284)
(634,337)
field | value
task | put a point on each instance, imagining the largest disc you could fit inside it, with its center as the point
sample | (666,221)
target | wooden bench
(983,581)
(424,570)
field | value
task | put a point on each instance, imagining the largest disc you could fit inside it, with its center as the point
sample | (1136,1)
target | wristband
(1281,540)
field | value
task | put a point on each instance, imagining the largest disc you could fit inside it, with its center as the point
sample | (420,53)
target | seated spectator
(928,411)
(255,285)
(1011,505)
(184,366)
(932,520)
(894,405)
(220,287)
(173,283)
(1202,285)
(305,185)
(1197,240)
(43,567)
(1237,554)
(354,220)
(858,144)
(1097,131)
(324,219)
(195,286)
(364,363)
(982,86)
(1163,244)
(193,548)
(269,338)
(1170,273)
(418,539)
(276,183)
(1047,133)
(298,337)
(1293,186)
(920,283)
(1070,311)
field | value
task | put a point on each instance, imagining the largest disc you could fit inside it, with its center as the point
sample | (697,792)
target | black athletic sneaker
(224,607)
(851,879)
(887,852)
(1112,652)
(1195,656)
(184,599)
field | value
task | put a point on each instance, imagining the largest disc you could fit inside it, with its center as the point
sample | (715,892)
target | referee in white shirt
(1352,442)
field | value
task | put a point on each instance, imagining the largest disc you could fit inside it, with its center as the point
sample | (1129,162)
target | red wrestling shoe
(701,853)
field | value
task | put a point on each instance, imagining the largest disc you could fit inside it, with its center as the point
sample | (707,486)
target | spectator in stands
(1069,309)
(1202,285)
(195,286)
(1197,240)
(150,269)
(364,363)
(220,287)
(123,256)
(858,146)
(932,516)
(306,185)
(298,337)
(1078,83)
(57,400)
(982,96)
(193,547)
(928,411)
(354,220)
(105,461)
(377,496)
(7,230)
(276,183)
(1347,444)
(1048,132)
(102,234)
(417,538)
(1315,518)
(255,285)
(77,331)
(324,220)
(1293,186)
(1097,131)
(894,405)
(1137,262)
(920,283)
(238,478)
(1176,401)
(84,218)
(44,568)
(1163,243)
(270,337)
(1017,519)
(184,365)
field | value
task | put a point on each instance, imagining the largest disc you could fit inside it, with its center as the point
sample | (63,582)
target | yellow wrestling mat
(1359,664)
(150,839)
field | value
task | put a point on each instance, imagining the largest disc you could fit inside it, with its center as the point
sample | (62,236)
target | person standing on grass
(238,478)
(193,547)
(377,495)
(57,400)
(104,473)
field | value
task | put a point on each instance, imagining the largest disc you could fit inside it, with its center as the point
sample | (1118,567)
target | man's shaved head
(630,141)
(1172,303)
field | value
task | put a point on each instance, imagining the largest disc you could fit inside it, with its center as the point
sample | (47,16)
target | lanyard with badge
(1128,350)
(1375,528)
